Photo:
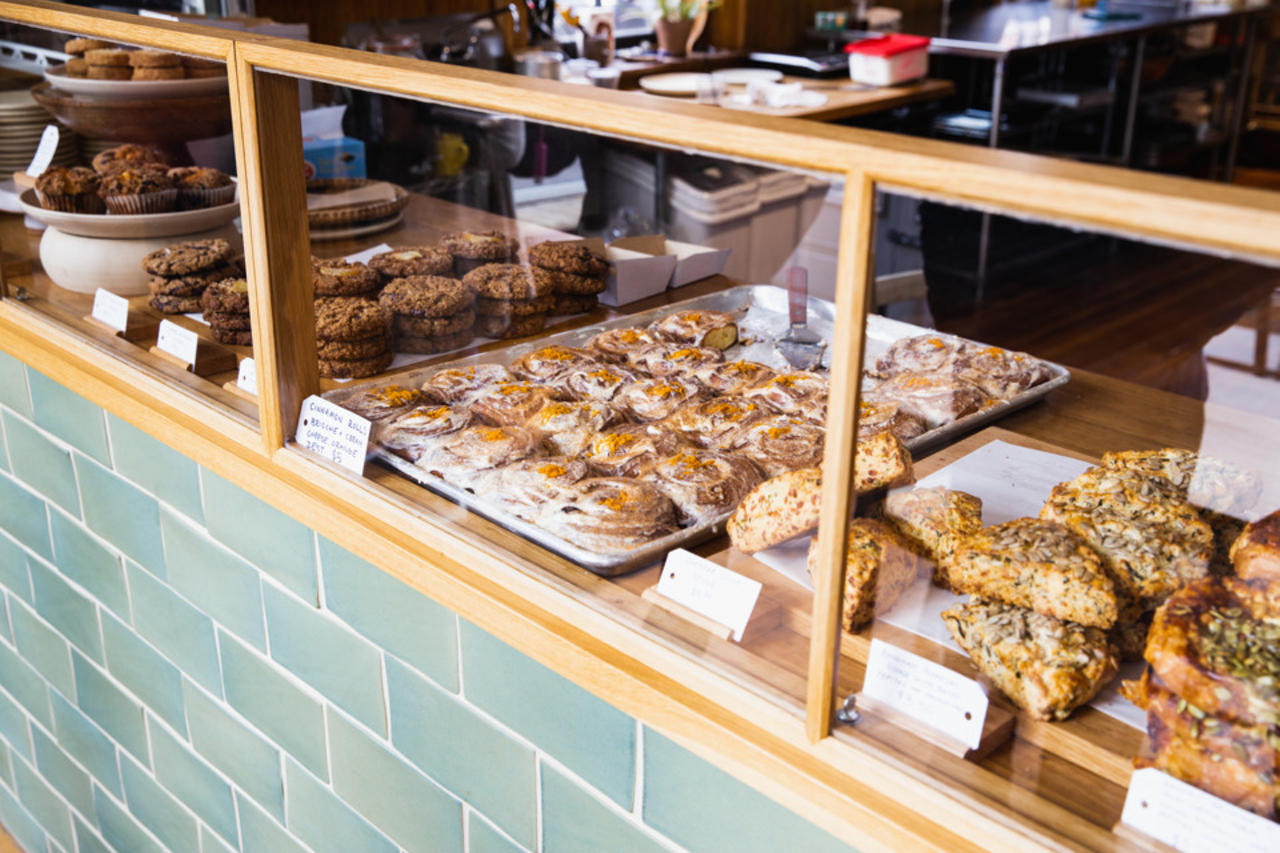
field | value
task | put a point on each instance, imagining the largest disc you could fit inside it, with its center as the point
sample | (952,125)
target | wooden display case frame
(858,790)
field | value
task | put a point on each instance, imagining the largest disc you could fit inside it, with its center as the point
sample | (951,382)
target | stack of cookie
(576,273)
(511,300)
(181,273)
(108,63)
(351,337)
(226,310)
(429,313)
(156,65)
(344,278)
(77,65)
(412,260)
(472,249)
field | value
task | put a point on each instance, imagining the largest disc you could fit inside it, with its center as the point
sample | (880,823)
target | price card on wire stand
(334,433)
(1191,820)
(927,692)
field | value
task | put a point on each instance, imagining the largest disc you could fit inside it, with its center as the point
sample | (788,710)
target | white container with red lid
(888,60)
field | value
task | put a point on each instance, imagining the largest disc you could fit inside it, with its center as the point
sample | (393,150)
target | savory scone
(1205,481)
(1256,552)
(1232,761)
(1046,666)
(1216,643)
(935,521)
(786,506)
(879,566)
(1035,564)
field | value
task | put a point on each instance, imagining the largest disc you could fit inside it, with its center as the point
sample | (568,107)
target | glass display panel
(134,197)
(533,265)
(1092,421)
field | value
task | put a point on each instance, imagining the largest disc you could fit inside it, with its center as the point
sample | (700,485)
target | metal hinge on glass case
(848,710)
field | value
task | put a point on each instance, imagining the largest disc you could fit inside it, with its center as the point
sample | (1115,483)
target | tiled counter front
(185,668)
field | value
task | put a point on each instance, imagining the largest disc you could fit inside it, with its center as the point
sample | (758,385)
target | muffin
(120,156)
(72,190)
(132,191)
(202,187)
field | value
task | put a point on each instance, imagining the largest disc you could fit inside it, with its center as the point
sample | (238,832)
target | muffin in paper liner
(72,202)
(192,198)
(161,201)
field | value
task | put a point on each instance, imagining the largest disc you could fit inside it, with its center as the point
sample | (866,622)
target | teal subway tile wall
(185,668)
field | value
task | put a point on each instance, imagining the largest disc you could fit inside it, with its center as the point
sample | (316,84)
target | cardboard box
(632,275)
(333,158)
(693,262)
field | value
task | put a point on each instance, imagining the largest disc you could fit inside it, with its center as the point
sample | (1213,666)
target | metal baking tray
(762,316)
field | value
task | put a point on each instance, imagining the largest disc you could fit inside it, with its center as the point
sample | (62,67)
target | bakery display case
(625,363)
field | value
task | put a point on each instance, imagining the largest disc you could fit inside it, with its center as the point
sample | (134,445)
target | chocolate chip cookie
(230,295)
(568,257)
(507,281)
(186,258)
(348,318)
(176,304)
(413,260)
(230,321)
(343,278)
(193,284)
(233,337)
(426,296)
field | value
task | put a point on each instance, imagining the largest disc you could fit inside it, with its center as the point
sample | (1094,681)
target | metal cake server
(800,346)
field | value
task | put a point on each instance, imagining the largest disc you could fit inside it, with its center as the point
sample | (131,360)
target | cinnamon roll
(380,404)
(568,428)
(734,377)
(460,384)
(788,392)
(626,451)
(512,403)
(673,359)
(887,416)
(596,382)
(546,362)
(464,457)
(935,399)
(529,486)
(698,328)
(713,423)
(609,515)
(704,484)
(417,431)
(614,344)
(655,399)
(781,443)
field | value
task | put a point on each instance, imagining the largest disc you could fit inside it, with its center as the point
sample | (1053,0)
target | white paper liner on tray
(761,311)
(1013,482)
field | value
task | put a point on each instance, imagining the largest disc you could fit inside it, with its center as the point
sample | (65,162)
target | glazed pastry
(655,399)
(530,486)
(610,515)
(780,443)
(887,416)
(460,384)
(418,430)
(717,421)
(998,372)
(567,429)
(935,399)
(464,457)
(703,484)
(734,377)
(788,392)
(630,450)
(698,328)
(615,344)
(599,382)
(673,359)
(510,404)
(546,362)
(379,404)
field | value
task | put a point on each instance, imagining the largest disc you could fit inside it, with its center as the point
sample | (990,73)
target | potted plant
(679,23)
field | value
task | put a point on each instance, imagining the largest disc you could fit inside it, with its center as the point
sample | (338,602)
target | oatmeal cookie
(432,344)
(154,59)
(426,296)
(568,258)
(510,327)
(109,72)
(233,337)
(176,304)
(349,318)
(108,56)
(192,284)
(570,284)
(79,46)
(77,67)
(356,350)
(231,295)
(343,278)
(514,307)
(471,249)
(159,72)
(413,260)
(506,281)
(354,368)
(425,327)
(574,304)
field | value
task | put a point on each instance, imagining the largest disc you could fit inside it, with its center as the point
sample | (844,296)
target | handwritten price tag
(44,152)
(714,591)
(334,433)
(247,378)
(926,691)
(111,310)
(1190,820)
(182,344)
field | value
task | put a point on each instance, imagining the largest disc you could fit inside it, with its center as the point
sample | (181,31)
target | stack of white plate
(22,122)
